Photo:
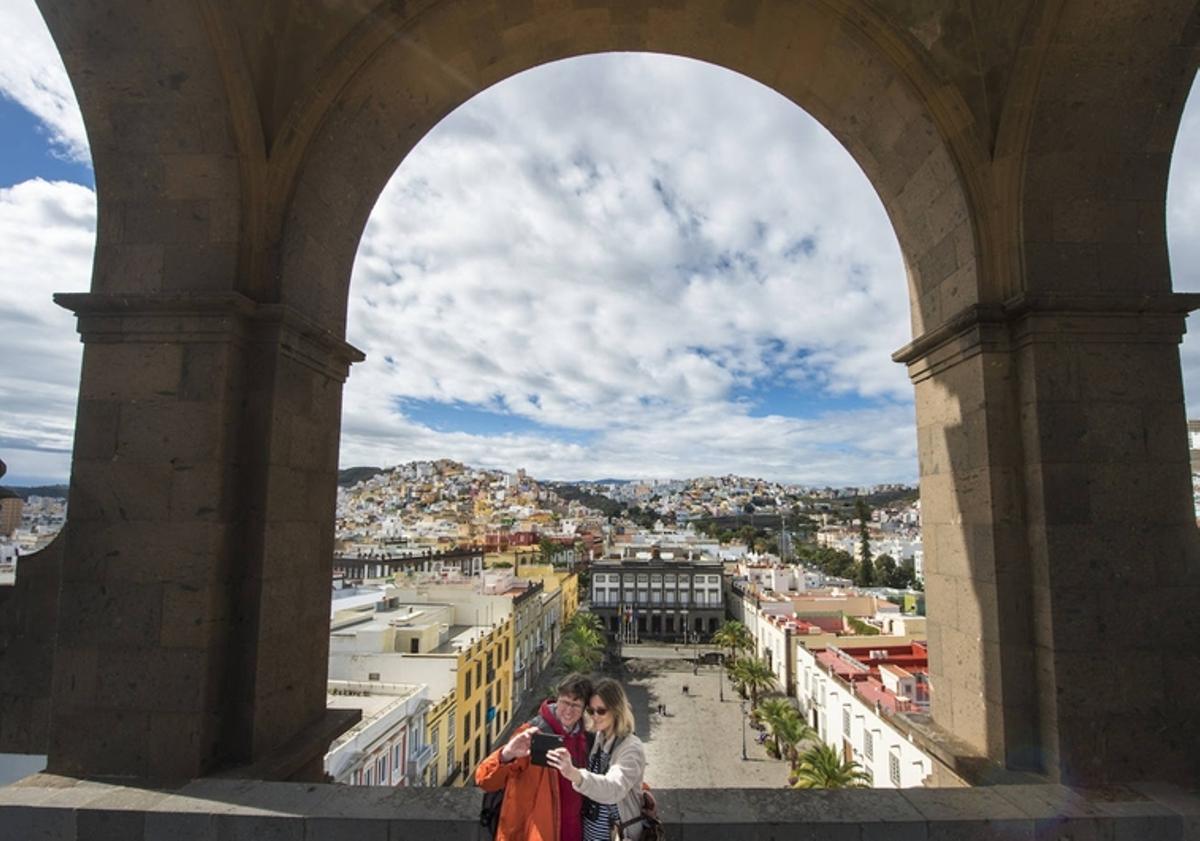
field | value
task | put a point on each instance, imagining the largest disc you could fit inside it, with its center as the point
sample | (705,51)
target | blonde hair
(613,696)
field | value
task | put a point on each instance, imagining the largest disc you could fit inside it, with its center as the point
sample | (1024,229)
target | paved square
(698,743)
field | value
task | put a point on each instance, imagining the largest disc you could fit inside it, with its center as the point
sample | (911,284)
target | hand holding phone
(542,744)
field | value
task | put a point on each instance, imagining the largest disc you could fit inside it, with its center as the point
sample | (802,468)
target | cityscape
(460,594)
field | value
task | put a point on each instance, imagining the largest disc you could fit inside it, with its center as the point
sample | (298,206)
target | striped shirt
(600,827)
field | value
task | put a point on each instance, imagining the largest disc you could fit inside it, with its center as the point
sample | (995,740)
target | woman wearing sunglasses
(612,781)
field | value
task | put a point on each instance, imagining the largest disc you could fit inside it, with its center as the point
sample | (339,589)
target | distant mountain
(57,491)
(354,475)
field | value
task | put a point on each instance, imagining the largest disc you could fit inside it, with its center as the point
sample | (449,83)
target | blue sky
(582,271)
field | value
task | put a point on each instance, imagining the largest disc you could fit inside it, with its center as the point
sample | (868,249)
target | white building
(856,722)
(387,747)
(9,551)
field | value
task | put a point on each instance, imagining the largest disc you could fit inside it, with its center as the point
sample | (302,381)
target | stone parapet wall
(62,809)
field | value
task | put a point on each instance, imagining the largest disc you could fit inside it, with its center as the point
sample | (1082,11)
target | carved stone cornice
(1029,318)
(220,317)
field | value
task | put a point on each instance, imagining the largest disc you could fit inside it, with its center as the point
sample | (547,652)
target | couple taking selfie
(573,772)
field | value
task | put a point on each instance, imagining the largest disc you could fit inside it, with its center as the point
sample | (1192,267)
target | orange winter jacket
(530,809)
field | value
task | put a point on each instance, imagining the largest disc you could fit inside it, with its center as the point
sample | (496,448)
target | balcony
(61,808)
(418,761)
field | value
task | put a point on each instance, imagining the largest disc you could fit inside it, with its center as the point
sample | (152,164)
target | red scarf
(569,800)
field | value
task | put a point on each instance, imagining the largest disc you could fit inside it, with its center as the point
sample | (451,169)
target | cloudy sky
(619,265)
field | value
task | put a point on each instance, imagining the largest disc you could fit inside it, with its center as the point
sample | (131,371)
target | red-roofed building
(855,698)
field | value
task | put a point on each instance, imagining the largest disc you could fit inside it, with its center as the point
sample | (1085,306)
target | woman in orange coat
(539,803)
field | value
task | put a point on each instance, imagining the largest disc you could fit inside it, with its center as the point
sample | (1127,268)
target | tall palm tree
(823,767)
(790,732)
(752,676)
(586,619)
(734,636)
(773,712)
(582,644)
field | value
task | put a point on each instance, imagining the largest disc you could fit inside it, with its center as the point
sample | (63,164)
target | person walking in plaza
(539,803)
(612,778)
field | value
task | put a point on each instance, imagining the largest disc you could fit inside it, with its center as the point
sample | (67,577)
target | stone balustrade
(51,808)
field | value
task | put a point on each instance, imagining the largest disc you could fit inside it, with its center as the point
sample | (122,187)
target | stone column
(1061,560)
(201,517)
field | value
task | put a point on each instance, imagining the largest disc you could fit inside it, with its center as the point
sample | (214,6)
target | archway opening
(631,267)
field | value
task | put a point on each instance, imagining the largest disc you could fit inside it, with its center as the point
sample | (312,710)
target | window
(468,692)
(656,579)
(846,719)
(396,754)
(489,661)
(669,595)
(894,767)
(478,715)
(479,673)
(467,722)
(366,777)
(434,779)
(381,769)
(669,578)
(642,578)
(450,732)
(433,738)
(868,745)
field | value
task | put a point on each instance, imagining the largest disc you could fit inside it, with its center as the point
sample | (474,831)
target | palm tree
(582,643)
(823,767)
(586,619)
(734,636)
(789,733)
(753,676)
(773,712)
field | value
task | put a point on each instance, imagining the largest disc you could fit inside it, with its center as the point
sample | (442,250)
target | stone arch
(165,145)
(239,150)
(845,69)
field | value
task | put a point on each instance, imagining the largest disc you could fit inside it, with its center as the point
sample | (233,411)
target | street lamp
(721,681)
(744,757)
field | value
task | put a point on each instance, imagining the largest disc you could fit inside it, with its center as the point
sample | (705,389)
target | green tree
(865,575)
(582,643)
(823,767)
(886,570)
(752,676)
(734,636)
(783,722)
(906,574)
(790,733)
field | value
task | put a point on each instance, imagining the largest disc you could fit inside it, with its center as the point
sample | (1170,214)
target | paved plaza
(698,743)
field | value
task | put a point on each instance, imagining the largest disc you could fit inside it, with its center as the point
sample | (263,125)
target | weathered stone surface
(1022,157)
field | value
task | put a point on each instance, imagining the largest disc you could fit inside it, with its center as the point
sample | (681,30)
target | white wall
(820,693)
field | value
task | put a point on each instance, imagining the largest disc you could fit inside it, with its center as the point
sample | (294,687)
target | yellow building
(484,696)
(441,734)
(555,580)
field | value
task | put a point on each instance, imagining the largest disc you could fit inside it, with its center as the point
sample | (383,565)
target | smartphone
(542,744)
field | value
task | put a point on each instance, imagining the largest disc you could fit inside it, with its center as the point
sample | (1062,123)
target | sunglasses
(598,710)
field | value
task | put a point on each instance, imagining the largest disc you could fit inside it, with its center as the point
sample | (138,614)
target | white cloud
(523,250)
(47,234)
(32,74)
(614,231)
